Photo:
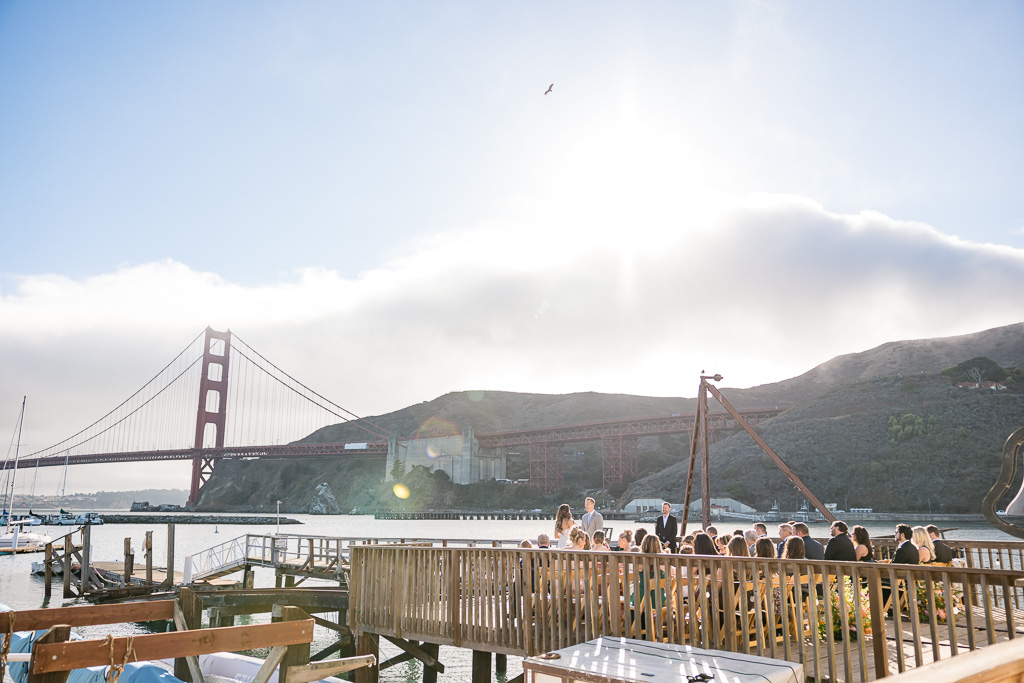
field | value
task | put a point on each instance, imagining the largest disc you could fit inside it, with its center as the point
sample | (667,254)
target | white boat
(88,518)
(14,539)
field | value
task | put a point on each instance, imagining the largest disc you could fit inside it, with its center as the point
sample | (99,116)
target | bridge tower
(212,412)
(618,458)
(546,466)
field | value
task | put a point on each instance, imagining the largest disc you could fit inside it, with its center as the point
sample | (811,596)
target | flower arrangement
(856,598)
(941,610)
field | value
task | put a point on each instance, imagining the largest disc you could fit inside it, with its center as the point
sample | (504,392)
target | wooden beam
(88,615)
(270,664)
(416,651)
(396,660)
(296,655)
(188,615)
(314,671)
(779,462)
(55,635)
(191,662)
(83,653)
(366,644)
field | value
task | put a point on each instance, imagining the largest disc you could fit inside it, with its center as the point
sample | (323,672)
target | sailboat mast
(14,472)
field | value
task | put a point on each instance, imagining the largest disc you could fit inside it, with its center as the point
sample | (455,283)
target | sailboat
(13,539)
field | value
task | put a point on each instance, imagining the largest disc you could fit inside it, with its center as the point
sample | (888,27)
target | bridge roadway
(589,431)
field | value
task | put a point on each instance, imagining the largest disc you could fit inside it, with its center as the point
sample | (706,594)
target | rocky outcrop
(323,501)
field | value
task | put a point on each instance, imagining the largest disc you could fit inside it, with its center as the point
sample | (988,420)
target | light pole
(278,533)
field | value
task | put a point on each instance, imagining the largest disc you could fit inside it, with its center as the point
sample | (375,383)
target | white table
(625,660)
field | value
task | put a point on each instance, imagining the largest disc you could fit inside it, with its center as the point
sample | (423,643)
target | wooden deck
(526,602)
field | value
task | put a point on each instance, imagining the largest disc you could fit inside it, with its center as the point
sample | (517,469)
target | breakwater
(483,514)
(195,519)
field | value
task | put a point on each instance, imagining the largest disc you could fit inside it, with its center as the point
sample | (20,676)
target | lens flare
(400,491)
(433,451)
(475,396)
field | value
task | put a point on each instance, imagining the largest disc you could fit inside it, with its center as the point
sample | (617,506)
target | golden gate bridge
(220,398)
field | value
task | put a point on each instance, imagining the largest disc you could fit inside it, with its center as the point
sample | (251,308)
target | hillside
(841,445)
(835,435)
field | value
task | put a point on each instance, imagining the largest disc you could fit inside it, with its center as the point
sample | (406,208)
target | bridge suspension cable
(167,421)
(268,403)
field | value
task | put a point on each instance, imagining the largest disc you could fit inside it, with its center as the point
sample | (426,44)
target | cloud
(759,289)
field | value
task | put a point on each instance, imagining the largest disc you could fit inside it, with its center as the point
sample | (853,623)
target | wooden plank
(84,653)
(332,667)
(88,615)
(270,664)
(296,655)
(53,636)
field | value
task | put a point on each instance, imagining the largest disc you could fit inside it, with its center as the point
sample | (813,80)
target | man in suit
(665,527)
(906,552)
(785,531)
(543,541)
(592,520)
(840,547)
(943,553)
(812,549)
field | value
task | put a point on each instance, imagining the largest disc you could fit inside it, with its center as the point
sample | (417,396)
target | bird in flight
(549,88)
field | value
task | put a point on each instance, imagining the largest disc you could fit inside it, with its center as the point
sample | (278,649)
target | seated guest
(599,541)
(685,549)
(638,536)
(785,531)
(526,544)
(543,541)
(864,551)
(812,549)
(906,552)
(624,541)
(764,548)
(925,549)
(761,529)
(722,542)
(751,537)
(943,553)
(703,545)
(711,531)
(794,549)
(688,539)
(840,547)
(577,539)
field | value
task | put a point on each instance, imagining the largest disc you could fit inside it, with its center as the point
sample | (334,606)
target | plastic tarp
(134,672)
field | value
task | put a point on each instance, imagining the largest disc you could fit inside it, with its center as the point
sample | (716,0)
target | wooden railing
(526,602)
(53,655)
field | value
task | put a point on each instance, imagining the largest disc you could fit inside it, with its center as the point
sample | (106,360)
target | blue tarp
(134,672)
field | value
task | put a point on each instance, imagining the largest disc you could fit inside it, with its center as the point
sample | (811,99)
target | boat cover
(134,672)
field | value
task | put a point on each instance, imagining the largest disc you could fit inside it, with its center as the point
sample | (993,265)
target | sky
(381,199)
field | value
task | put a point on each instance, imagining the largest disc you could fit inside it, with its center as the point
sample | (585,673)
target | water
(21,590)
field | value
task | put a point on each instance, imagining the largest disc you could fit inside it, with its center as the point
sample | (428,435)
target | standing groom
(665,527)
(592,521)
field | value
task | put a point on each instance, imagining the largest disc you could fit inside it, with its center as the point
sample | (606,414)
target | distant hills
(835,435)
(101,500)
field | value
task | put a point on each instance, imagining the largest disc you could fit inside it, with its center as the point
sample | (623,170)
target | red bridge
(161,422)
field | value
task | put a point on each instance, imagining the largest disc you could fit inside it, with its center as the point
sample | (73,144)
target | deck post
(192,612)
(878,642)
(66,566)
(366,644)
(129,563)
(170,555)
(86,552)
(429,672)
(481,666)
(55,634)
(47,570)
(295,655)
(500,664)
(149,558)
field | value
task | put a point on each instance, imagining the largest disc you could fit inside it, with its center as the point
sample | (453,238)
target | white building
(724,504)
(644,505)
